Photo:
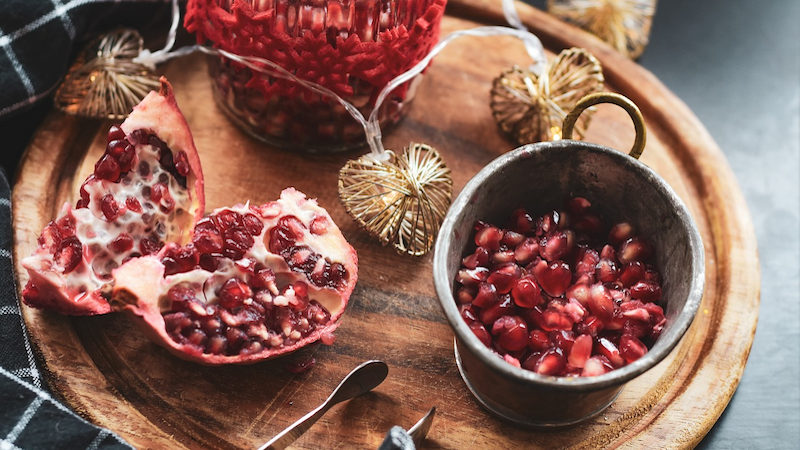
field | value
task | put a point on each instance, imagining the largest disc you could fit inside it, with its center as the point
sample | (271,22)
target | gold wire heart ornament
(104,82)
(532,108)
(401,200)
(623,24)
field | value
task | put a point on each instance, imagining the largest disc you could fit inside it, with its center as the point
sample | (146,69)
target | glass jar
(352,47)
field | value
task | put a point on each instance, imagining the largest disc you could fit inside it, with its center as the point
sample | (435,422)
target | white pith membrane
(166,221)
(271,318)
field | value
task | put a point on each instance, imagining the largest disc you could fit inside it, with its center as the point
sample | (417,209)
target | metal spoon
(361,380)
(420,430)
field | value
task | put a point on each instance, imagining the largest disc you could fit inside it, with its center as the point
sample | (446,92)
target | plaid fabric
(29,417)
(37,38)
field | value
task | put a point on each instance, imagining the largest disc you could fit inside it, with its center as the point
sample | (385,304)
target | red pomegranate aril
(608,252)
(123,152)
(68,253)
(631,348)
(115,133)
(182,163)
(634,249)
(601,303)
(587,262)
(254,226)
(465,295)
(489,238)
(110,207)
(631,273)
(133,205)
(504,307)
(526,293)
(50,237)
(217,345)
(480,258)
(563,339)
(607,348)
(553,320)
(480,331)
(511,238)
(606,271)
(512,333)
(521,222)
(646,291)
(553,278)
(589,223)
(107,168)
(527,251)
(502,257)
(539,340)
(552,362)
(486,296)
(578,205)
(581,351)
(148,246)
(590,325)
(579,293)
(620,233)
(504,277)
(555,246)
(595,366)
(121,244)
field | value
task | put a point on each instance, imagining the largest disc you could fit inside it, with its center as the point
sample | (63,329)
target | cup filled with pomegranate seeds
(353,48)
(566,269)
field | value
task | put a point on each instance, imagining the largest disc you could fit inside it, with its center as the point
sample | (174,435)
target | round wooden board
(111,375)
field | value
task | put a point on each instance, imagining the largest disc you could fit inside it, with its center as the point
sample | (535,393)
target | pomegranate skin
(74,289)
(141,286)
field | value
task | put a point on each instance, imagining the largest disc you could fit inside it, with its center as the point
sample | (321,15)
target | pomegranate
(254,282)
(244,284)
(562,294)
(146,190)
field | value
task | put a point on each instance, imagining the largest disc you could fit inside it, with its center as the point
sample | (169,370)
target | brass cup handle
(617,99)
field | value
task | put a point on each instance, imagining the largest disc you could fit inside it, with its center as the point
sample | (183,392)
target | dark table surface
(736,64)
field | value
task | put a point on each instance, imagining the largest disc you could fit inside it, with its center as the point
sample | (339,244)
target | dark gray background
(736,64)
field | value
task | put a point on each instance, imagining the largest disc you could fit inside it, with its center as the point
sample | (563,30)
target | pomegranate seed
(563,339)
(527,251)
(254,226)
(489,238)
(548,223)
(581,351)
(217,345)
(133,205)
(478,259)
(651,274)
(521,222)
(601,304)
(486,296)
(512,333)
(180,259)
(327,338)
(481,332)
(502,257)
(590,224)
(465,295)
(107,168)
(234,293)
(608,252)
(553,319)
(121,244)
(631,348)
(526,293)
(552,362)
(591,325)
(50,237)
(631,273)
(555,246)
(539,340)
(265,279)
(610,351)
(606,271)
(123,152)
(579,292)
(68,254)
(595,366)
(504,277)
(110,207)
(504,307)
(620,233)
(587,262)
(578,205)
(115,133)
(148,246)
(318,226)
(182,163)
(646,291)
(511,238)
(553,278)
(634,249)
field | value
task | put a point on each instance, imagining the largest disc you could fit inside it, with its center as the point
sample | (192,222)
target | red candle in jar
(352,47)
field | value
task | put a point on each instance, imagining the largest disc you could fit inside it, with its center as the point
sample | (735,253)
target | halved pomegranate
(146,190)
(255,282)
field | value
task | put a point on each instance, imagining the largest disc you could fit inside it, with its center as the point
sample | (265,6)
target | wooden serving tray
(110,374)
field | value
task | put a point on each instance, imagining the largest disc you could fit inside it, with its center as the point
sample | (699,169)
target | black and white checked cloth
(30,418)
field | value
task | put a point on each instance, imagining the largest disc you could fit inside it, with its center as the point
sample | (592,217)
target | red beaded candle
(352,47)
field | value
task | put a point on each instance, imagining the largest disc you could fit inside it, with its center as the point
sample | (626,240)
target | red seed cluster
(562,294)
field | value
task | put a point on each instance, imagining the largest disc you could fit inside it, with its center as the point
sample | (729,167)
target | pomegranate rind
(141,285)
(77,291)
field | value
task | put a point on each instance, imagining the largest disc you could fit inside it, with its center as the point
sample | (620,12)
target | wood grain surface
(114,377)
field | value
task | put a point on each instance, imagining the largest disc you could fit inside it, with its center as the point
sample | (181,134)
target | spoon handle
(295,430)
